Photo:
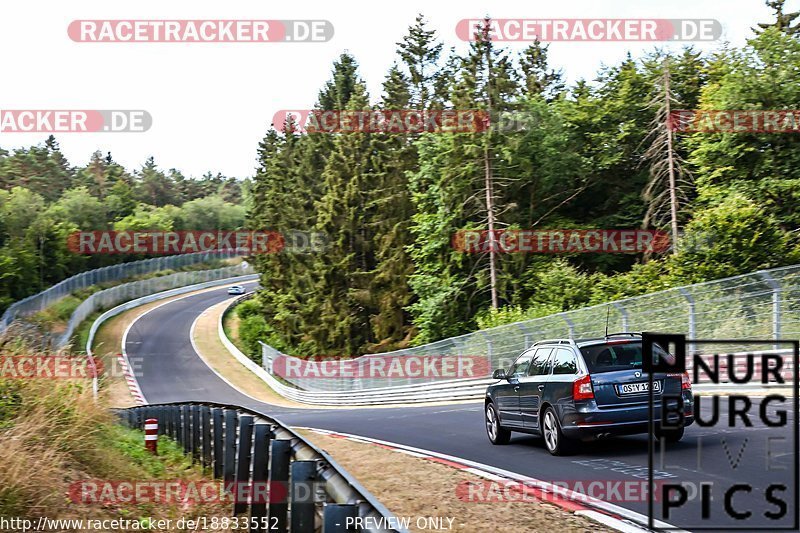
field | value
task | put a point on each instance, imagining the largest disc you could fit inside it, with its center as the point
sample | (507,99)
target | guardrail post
(242,476)
(161,414)
(229,453)
(776,305)
(691,348)
(195,410)
(186,426)
(205,424)
(168,421)
(261,492)
(279,477)
(339,517)
(178,424)
(304,474)
(217,420)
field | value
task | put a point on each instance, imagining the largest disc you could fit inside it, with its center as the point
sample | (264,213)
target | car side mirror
(499,374)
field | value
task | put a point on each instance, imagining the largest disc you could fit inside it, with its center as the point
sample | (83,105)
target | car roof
(616,338)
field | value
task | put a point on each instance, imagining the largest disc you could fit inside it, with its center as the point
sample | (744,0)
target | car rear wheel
(554,439)
(671,435)
(497,434)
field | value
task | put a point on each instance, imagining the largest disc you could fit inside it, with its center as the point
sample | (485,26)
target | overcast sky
(211,103)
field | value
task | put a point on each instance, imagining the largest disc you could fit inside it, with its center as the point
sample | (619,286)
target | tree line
(595,158)
(44,199)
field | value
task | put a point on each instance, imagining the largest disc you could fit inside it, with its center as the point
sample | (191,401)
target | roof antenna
(608,310)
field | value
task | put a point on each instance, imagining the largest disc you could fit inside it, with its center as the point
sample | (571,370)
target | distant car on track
(567,390)
(236,289)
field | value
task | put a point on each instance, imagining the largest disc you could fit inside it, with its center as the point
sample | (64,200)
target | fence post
(570,324)
(489,346)
(692,319)
(528,337)
(304,474)
(624,312)
(279,477)
(217,416)
(258,507)
(336,517)
(776,305)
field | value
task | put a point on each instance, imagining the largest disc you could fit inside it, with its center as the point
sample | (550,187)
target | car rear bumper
(587,420)
(596,431)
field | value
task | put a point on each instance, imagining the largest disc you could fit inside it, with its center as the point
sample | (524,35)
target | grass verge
(53,436)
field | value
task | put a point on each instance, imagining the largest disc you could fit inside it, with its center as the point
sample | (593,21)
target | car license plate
(638,388)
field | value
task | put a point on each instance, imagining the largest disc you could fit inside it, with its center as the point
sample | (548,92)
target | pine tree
(666,193)
(391,210)
(343,272)
(539,78)
(420,51)
(785,22)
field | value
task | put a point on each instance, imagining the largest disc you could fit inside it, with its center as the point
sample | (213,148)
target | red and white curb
(608,514)
(133,385)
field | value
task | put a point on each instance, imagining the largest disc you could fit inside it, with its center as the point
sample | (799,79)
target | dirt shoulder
(418,488)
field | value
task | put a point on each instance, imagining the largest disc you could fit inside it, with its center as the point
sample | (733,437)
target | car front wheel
(497,434)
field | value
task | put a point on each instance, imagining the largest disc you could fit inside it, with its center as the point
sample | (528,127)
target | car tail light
(686,382)
(582,389)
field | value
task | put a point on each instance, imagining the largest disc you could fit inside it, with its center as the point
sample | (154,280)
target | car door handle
(516,389)
(541,387)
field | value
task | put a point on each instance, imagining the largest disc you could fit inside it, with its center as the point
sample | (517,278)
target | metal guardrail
(764,304)
(306,490)
(42,300)
(444,391)
(137,289)
(447,390)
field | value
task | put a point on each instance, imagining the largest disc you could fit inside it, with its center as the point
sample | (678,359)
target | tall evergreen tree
(785,22)
(538,77)
(420,51)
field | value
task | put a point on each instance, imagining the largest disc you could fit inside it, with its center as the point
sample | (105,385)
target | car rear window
(609,357)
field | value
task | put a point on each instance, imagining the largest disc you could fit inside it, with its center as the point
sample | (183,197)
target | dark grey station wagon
(569,391)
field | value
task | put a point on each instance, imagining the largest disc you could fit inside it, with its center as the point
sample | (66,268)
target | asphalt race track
(168,369)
